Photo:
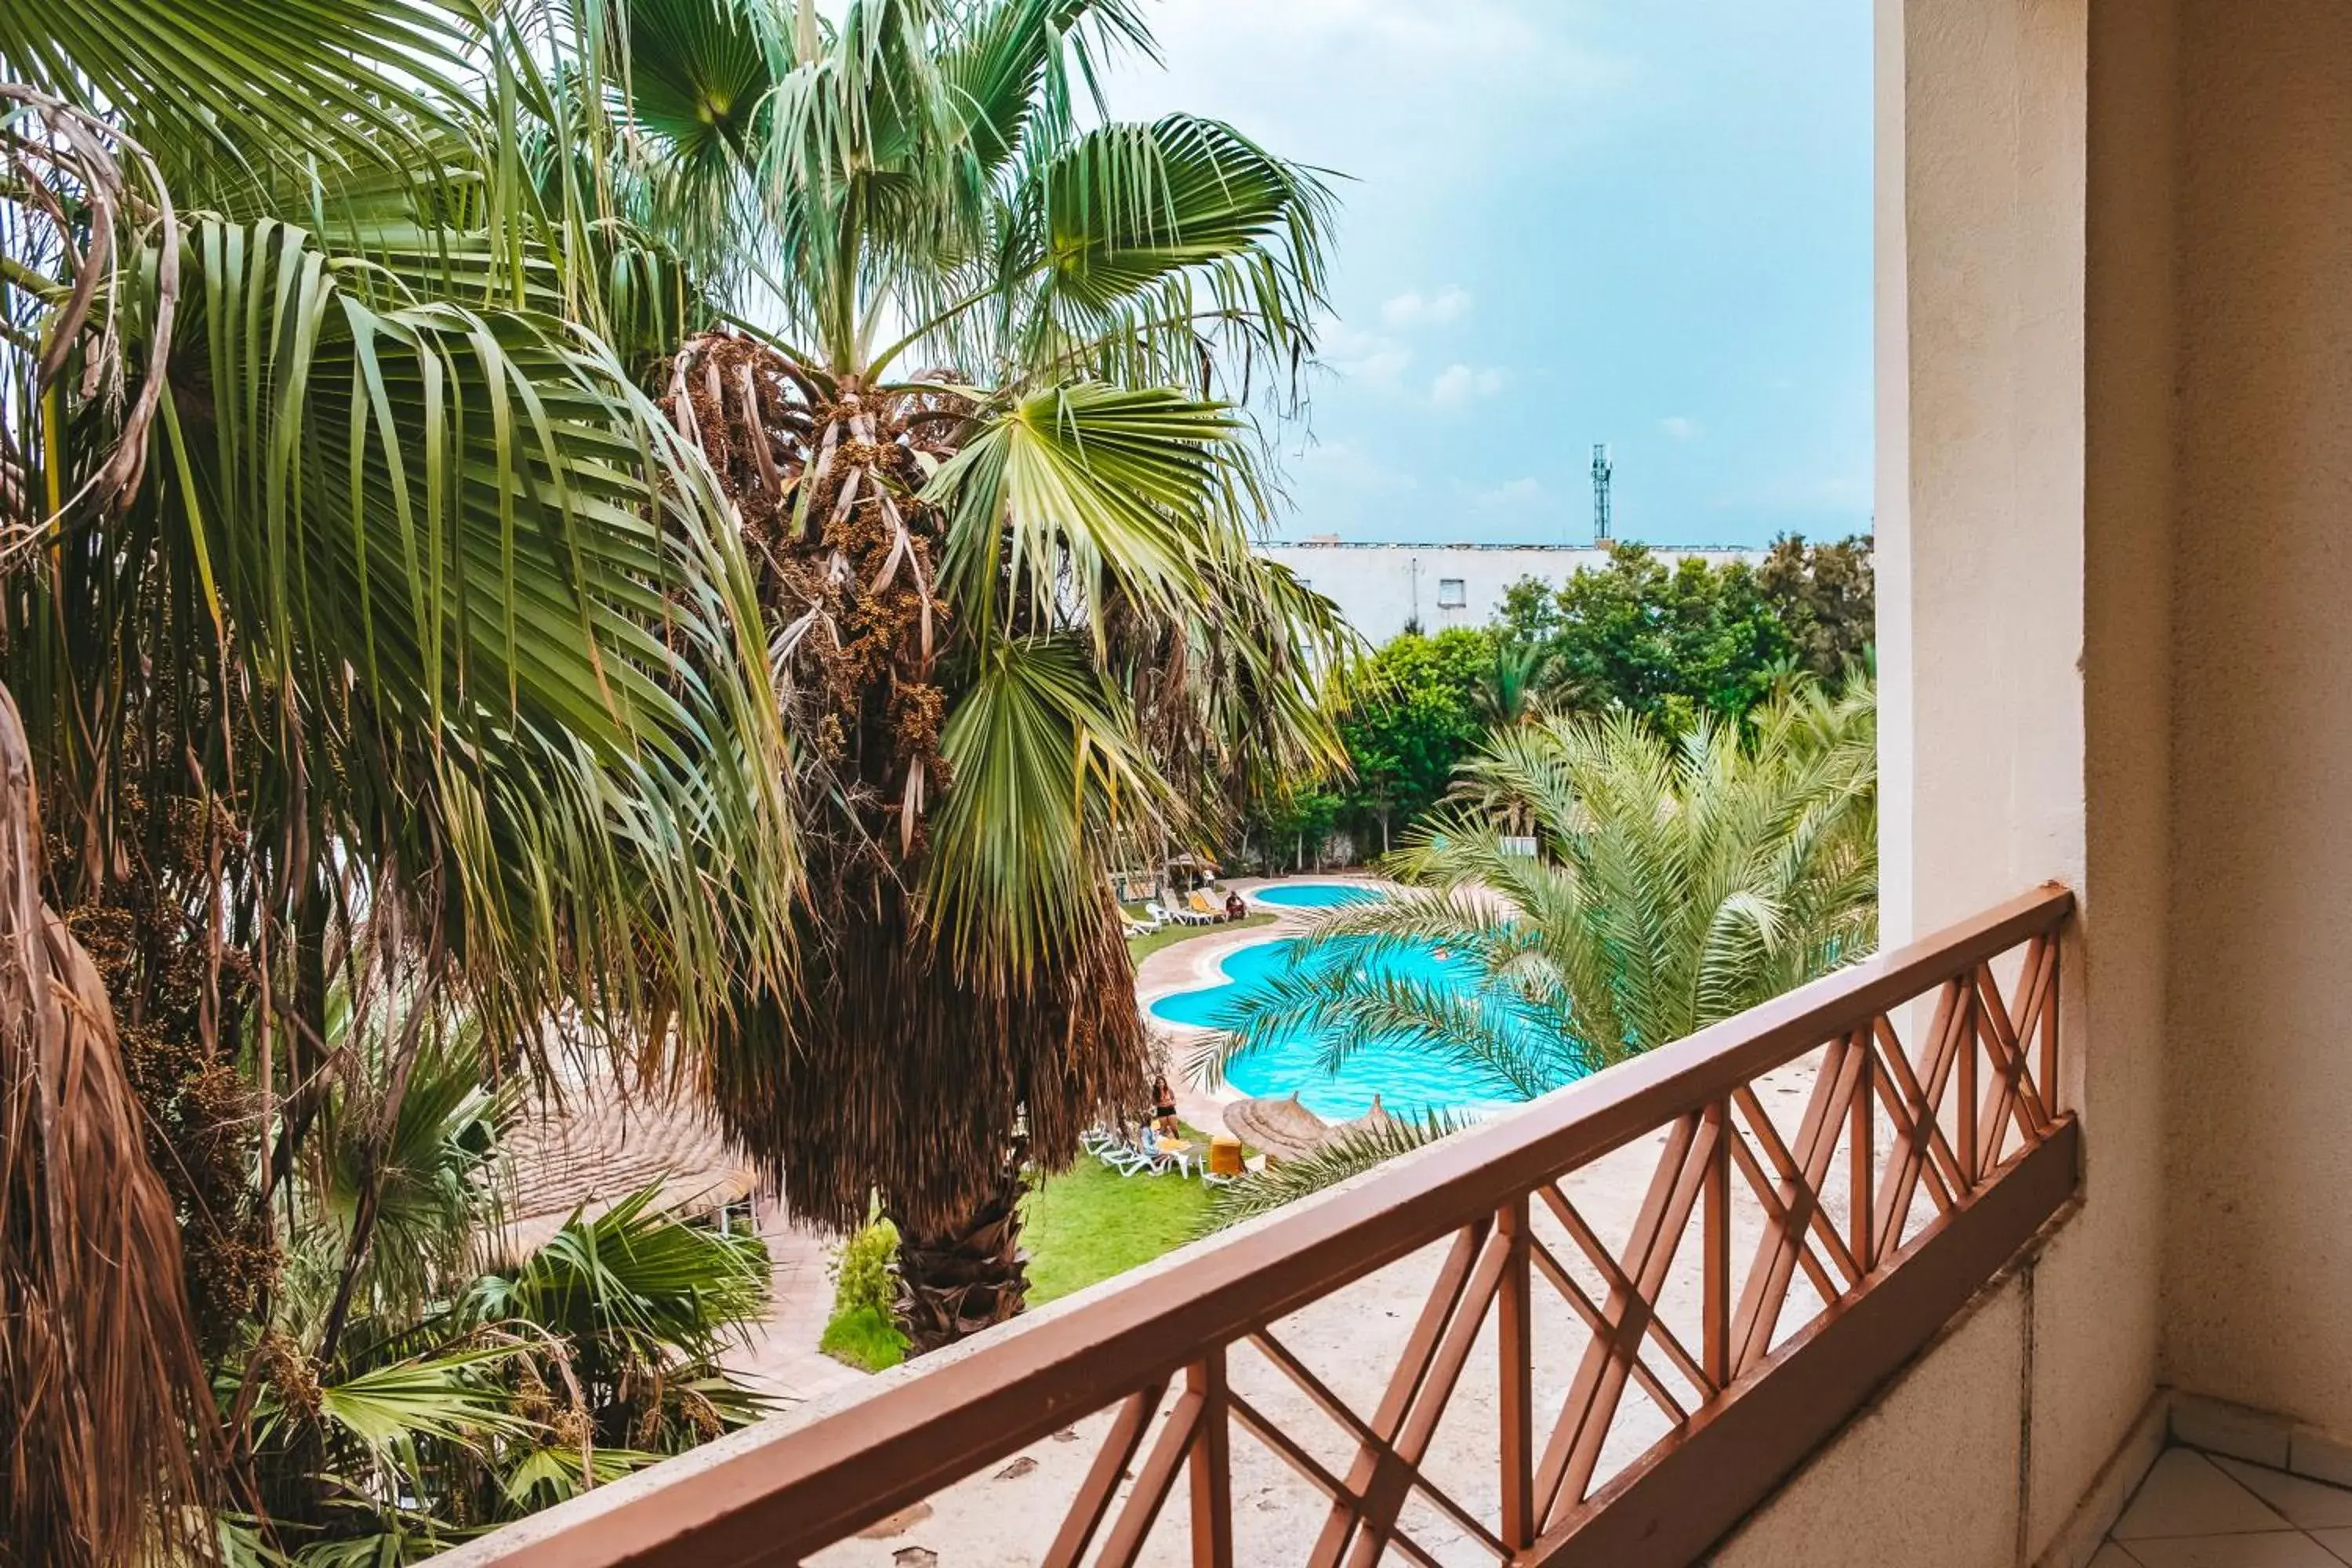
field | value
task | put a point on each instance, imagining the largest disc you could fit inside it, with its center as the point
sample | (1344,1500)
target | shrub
(865,1273)
(864,1339)
(864,1328)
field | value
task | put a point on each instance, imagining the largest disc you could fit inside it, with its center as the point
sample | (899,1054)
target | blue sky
(1644,221)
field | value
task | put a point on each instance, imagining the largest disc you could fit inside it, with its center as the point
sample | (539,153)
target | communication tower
(1603,472)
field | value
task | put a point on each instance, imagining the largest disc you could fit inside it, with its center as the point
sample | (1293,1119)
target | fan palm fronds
(1011,596)
(368,619)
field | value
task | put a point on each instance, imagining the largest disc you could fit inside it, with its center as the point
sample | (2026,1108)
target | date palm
(1677,881)
(1000,490)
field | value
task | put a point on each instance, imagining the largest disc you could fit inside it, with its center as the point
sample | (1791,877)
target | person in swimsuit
(1164,1105)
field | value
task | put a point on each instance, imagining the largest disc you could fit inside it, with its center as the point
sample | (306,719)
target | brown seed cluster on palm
(892,1062)
(825,476)
(178,1019)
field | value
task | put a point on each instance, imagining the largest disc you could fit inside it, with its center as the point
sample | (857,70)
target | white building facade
(1384,588)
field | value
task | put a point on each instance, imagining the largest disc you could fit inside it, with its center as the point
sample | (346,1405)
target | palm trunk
(954,1282)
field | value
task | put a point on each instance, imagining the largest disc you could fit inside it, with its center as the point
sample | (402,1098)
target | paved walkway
(781,1360)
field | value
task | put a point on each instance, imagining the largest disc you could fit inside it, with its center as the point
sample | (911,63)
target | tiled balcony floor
(2202,1511)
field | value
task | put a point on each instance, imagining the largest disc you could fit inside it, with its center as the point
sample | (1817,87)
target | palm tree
(1518,689)
(1675,882)
(999,478)
(368,621)
(410,1398)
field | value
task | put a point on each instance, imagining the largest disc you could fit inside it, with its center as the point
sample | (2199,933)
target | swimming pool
(1408,1079)
(1313,895)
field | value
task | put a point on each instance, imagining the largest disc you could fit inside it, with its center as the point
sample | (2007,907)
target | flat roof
(1466,544)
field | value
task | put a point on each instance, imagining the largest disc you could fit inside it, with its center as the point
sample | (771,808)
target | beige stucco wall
(1881,1495)
(2116,518)
(2258,1253)
(2026,315)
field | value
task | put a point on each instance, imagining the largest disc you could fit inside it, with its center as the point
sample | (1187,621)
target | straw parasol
(598,1148)
(1286,1129)
(1283,1128)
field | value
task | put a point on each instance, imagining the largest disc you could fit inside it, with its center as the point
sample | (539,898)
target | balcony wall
(2116,360)
(2258,1253)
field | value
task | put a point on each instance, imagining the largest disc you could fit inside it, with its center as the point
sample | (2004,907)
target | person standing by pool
(1164,1105)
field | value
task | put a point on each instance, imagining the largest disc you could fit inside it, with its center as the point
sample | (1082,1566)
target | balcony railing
(1554,1262)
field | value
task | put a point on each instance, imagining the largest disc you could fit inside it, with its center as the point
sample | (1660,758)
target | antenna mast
(1603,472)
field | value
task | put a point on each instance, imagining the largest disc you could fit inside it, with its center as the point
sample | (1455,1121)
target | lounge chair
(1178,916)
(1122,1153)
(1160,1155)
(1199,904)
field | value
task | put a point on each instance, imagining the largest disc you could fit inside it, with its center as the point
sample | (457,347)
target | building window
(1452,594)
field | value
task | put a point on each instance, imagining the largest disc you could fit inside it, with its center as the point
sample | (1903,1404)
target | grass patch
(1091,1223)
(864,1339)
(1139,948)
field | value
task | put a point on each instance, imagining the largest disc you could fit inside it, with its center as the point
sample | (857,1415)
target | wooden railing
(1913,1172)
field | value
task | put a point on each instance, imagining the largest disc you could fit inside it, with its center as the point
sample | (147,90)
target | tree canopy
(1667,641)
(1670,644)
(1417,713)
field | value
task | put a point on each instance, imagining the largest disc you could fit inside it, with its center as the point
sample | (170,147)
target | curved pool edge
(1201,966)
(1259,895)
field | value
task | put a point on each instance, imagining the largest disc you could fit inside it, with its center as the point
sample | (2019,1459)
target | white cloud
(1394,89)
(1365,356)
(1345,464)
(1412,308)
(1458,383)
(1518,495)
(1680,426)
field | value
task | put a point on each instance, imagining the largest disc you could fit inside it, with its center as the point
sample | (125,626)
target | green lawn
(1142,947)
(1091,1223)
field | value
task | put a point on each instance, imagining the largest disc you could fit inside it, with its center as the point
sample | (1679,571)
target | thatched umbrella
(1376,1119)
(1286,1129)
(598,1148)
(1282,1129)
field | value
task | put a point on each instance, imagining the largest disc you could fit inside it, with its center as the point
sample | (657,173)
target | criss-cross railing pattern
(1751,1287)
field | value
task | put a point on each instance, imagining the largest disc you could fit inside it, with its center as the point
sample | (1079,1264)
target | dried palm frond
(65,199)
(101,1391)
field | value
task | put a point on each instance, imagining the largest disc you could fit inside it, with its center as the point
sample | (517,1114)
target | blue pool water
(1408,1079)
(1313,895)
